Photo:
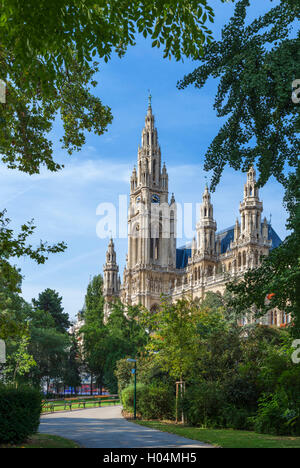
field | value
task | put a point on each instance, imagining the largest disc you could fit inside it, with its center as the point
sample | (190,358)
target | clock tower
(151,217)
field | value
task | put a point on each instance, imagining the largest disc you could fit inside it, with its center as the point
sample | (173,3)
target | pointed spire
(149,100)
(149,111)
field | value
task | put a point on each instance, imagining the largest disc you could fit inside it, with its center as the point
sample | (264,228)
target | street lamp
(134,372)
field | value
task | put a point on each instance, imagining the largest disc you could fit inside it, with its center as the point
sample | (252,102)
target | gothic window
(256,257)
(239,259)
(244,258)
(204,211)
(136,250)
(172,224)
(257,220)
(243,221)
(154,169)
(229,266)
(147,138)
(156,249)
(250,191)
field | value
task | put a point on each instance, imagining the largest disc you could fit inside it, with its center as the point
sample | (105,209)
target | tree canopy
(46,56)
(256,65)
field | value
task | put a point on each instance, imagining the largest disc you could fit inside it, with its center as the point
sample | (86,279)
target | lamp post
(134,401)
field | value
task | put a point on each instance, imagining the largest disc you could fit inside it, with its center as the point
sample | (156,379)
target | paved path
(105,427)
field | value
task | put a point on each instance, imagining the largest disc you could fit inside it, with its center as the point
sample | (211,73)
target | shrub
(20,410)
(203,404)
(237,418)
(274,416)
(154,401)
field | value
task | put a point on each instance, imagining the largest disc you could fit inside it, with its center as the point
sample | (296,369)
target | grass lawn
(226,438)
(44,441)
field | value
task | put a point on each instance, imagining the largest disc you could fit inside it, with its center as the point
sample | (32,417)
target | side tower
(151,223)
(111,280)
(251,234)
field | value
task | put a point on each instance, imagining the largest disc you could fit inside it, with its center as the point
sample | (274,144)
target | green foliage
(153,401)
(256,63)
(20,361)
(50,69)
(93,330)
(20,410)
(172,336)
(72,364)
(50,301)
(125,336)
(276,416)
(16,246)
(203,404)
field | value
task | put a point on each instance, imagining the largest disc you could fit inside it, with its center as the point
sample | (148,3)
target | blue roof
(226,236)
(276,241)
(182,256)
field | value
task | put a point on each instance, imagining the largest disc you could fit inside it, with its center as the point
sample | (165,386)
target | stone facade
(154,266)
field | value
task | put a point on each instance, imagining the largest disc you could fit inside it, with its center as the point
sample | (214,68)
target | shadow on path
(106,428)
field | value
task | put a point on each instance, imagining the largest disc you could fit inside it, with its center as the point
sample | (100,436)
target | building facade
(154,266)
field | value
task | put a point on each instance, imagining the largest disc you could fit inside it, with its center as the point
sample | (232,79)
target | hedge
(154,401)
(20,410)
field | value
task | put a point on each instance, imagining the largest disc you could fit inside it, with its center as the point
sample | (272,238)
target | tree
(72,364)
(126,336)
(46,55)
(93,331)
(173,336)
(50,301)
(256,65)
(49,70)
(20,361)
(48,348)
(16,246)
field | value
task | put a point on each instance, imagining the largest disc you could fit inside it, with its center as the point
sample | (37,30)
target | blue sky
(64,204)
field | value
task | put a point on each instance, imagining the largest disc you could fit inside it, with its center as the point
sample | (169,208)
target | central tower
(151,219)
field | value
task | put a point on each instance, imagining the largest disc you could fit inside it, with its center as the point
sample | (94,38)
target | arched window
(172,230)
(154,169)
(244,258)
(204,211)
(239,259)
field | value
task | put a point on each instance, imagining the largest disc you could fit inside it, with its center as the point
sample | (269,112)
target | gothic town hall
(154,265)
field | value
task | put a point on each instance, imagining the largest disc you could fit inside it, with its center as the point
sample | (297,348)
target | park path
(105,427)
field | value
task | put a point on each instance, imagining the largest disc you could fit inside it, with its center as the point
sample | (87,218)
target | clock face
(155,199)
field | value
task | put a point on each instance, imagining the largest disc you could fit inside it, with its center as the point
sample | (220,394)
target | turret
(111,286)
(206,227)
(251,209)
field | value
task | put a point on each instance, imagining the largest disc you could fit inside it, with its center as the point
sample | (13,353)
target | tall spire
(251,208)
(149,99)
(206,227)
